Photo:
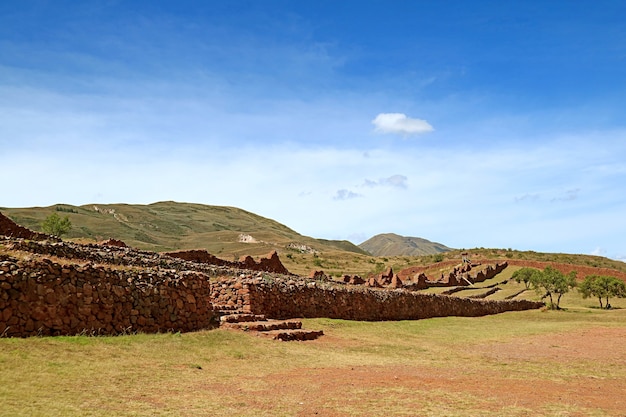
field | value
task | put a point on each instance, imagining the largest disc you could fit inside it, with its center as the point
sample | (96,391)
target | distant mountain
(390,244)
(169,225)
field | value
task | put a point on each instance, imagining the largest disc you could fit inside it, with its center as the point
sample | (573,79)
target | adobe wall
(41,297)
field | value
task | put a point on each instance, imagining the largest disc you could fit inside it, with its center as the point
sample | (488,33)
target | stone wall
(41,297)
(9,228)
(281,299)
(111,255)
(232,294)
(269,263)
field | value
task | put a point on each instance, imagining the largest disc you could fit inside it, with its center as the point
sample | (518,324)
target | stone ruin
(269,263)
(9,228)
(114,242)
(283,298)
(459,276)
(100,289)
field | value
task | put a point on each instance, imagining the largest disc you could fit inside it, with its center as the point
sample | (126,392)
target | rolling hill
(230,232)
(390,244)
(167,226)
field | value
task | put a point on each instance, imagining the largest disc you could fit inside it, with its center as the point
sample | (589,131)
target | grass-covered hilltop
(229,233)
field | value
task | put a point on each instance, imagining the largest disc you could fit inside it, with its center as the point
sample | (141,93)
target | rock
(396,282)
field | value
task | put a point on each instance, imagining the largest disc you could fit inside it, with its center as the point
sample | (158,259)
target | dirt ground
(546,377)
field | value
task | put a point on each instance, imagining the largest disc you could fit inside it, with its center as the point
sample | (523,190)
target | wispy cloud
(569,195)
(527,197)
(346,195)
(399,181)
(399,123)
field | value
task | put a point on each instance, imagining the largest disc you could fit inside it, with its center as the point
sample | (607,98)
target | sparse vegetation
(65,209)
(526,275)
(56,226)
(554,284)
(602,286)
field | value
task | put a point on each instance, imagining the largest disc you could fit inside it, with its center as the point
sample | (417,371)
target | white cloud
(527,197)
(598,251)
(346,195)
(570,195)
(397,180)
(401,124)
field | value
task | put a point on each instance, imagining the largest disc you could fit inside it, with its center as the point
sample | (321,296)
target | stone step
(292,335)
(264,326)
(241,317)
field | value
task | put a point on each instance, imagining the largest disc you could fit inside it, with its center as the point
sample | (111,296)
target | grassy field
(448,366)
(533,363)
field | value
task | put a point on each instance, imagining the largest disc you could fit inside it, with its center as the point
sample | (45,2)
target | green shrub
(56,226)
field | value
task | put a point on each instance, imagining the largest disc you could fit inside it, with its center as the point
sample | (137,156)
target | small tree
(590,288)
(526,275)
(554,283)
(55,225)
(602,287)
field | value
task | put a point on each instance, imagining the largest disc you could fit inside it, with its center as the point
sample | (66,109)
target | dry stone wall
(41,297)
(9,228)
(281,299)
(111,255)
(269,263)
(100,289)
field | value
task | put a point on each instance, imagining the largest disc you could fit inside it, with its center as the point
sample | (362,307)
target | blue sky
(470,123)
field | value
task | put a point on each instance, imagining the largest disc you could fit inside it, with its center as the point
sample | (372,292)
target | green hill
(165,226)
(230,232)
(390,244)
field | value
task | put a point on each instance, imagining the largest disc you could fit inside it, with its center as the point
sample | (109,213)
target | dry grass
(386,367)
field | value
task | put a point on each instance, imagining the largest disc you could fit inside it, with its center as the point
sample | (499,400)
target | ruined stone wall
(9,228)
(41,297)
(286,299)
(111,255)
(269,263)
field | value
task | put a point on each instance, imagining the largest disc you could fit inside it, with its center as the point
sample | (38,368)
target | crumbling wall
(9,228)
(279,298)
(269,263)
(41,297)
